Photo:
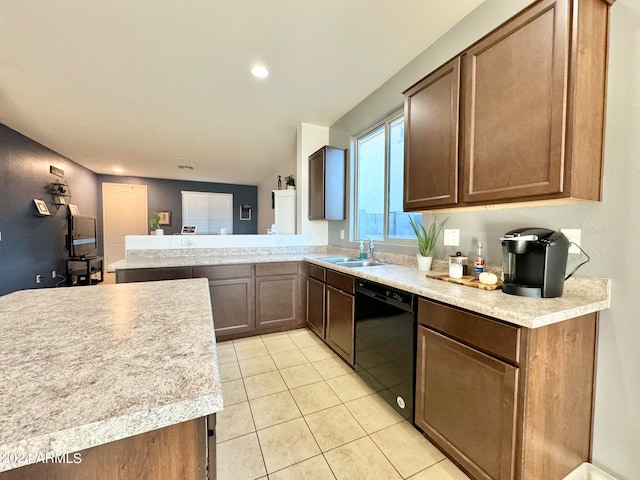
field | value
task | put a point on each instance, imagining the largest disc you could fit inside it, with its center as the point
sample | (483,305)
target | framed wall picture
(165,218)
(245,212)
(41,206)
(73,209)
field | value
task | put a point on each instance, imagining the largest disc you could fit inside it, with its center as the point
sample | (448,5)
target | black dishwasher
(385,343)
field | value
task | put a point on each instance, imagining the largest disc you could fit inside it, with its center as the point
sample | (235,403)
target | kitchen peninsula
(110,380)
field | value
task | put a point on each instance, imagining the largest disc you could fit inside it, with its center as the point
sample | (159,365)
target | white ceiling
(148,85)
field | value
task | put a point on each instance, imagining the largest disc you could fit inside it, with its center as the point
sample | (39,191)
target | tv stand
(85,271)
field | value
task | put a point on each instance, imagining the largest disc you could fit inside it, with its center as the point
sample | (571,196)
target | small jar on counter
(457,265)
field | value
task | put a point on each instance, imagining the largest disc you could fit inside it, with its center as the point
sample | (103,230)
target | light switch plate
(573,235)
(341,234)
(452,237)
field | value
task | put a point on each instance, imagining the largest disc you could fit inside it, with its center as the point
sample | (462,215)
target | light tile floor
(294,410)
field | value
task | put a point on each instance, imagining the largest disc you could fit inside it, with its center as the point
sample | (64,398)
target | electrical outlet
(452,237)
(53,274)
(38,278)
(573,235)
(341,234)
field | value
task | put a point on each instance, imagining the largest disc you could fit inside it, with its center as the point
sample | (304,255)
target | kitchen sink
(350,262)
(359,263)
(339,259)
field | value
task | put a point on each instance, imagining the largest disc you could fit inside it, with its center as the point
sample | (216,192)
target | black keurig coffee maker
(534,261)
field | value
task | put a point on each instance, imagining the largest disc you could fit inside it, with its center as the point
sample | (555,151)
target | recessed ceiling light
(260,72)
(118,170)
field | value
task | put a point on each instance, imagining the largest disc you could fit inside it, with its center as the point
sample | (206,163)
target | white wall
(610,229)
(265,212)
(310,138)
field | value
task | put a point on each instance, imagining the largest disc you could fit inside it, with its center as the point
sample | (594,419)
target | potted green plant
(154,222)
(291,183)
(426,241)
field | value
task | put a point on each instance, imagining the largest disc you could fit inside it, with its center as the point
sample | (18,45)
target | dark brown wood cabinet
(532,107)
(340,314)
(174,452)
(431,140)
(316,295)
(246,299)
(232,297)
(277,294)
(327,182)
(152,274)
(466,400)
(502,401)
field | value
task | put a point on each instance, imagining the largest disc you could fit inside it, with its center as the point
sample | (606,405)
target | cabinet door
(431,140)
(340,323)
(327,181)
(152,274)
(315,306)
(276,300)
(466,403)
(515,91)
(232,305)
(316,186)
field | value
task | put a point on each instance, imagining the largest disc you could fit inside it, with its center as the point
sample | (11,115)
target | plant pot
(424,263)
(291,187)
(159,231)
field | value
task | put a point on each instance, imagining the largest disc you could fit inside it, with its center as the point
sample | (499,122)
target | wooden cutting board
(467,280)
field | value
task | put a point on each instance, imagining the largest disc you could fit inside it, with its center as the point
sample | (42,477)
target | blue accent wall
(32,244)
(165,194)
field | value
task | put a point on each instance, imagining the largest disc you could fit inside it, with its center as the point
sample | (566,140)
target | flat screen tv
(82,241)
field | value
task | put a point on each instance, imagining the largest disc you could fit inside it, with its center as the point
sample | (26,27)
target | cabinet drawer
(489,335)
(220,272)
(280,268)
(152,274)
(319,273)
(343,282)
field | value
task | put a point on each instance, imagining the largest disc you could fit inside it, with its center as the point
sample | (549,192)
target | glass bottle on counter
(478,262)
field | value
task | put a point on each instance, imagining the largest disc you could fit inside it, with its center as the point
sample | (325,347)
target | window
(212,213)
(379,183)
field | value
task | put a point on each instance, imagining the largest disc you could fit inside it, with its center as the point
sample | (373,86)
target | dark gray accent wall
(31,244)
(165,194)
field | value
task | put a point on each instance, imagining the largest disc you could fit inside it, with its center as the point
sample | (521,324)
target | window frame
(385,122)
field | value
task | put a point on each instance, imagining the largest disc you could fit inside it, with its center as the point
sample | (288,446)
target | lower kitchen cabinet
(466,399)
(152,274)
(502,401)
(316,291)
(277,294)
(246,299)
(340,314)
(316,295)
(175,452)
(231,289)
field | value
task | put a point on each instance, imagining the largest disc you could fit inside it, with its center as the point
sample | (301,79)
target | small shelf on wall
(60,192)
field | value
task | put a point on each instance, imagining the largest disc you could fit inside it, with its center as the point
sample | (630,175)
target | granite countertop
(204,260)
(84,366)
(581,295)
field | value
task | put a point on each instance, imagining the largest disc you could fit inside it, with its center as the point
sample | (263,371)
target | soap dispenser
(363,256)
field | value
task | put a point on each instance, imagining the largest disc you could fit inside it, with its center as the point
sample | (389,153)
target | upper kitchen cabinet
(532,103)
(431,140)
(327,177)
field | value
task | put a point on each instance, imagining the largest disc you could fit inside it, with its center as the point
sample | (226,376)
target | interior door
(124,212)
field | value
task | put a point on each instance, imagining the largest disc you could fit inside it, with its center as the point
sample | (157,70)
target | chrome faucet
(371,247)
